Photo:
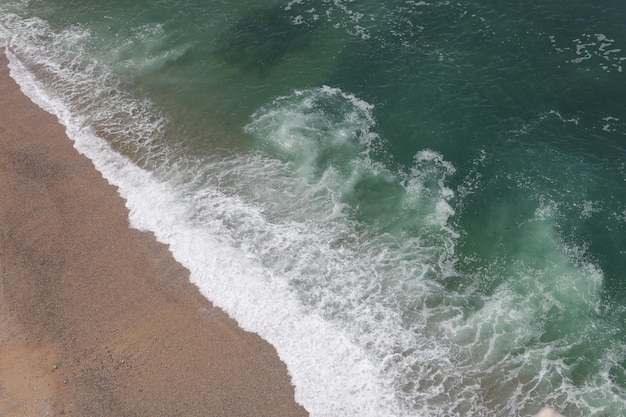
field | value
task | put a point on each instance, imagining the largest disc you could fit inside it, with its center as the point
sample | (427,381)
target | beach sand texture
(96,318)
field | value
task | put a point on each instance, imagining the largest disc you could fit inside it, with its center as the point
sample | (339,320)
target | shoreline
(97,318)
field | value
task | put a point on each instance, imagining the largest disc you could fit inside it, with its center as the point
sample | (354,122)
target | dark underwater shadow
(262,39)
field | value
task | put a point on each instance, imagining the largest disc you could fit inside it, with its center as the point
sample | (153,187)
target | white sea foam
(591,49)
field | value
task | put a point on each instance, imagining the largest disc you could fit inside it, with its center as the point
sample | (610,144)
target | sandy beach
(96,318)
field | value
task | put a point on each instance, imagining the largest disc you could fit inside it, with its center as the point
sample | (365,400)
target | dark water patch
(262,39)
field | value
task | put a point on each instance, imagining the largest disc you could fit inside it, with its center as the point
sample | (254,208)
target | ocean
(420,204)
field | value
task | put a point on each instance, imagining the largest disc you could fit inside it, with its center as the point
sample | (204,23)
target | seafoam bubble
(594,49)
(611,124)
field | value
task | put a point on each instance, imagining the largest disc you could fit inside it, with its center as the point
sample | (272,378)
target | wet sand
(96,318)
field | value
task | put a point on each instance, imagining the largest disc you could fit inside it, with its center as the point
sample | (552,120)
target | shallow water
(421,205)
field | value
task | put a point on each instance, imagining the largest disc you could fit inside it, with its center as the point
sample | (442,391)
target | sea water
(420,204)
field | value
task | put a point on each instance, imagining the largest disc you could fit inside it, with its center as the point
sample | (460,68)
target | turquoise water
(421,205)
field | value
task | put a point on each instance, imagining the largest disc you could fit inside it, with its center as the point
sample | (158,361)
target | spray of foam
(446,351)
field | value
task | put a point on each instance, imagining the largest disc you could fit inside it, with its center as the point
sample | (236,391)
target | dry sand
(97,319)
